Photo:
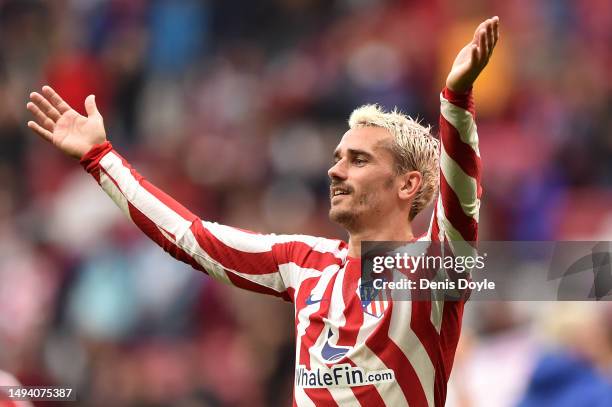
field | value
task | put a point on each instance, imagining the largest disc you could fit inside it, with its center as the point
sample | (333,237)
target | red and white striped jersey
(348,352)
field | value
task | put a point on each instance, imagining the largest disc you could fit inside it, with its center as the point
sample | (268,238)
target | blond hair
(414,148)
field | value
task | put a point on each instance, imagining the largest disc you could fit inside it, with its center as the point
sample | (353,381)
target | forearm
(146,206)
(460,168)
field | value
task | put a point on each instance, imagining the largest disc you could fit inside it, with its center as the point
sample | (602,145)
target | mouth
(336,192)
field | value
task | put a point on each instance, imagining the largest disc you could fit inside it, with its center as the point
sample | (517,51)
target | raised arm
(261,263)
(456,210)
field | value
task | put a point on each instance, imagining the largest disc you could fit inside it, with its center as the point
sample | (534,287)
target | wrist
(463,99)
(92,157)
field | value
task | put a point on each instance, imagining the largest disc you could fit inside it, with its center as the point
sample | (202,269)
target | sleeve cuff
(464,100)
(92,158)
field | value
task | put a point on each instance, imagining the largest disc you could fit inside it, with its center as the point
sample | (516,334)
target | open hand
(472,58)
(58,123)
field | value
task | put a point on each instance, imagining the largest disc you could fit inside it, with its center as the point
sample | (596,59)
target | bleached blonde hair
(414,148)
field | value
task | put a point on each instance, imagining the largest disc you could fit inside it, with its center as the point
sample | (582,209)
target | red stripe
(466,225)
(393,357)
(353,312)
(304,255)
(421,325)
(158,193)
(246,284)
(304,290)
(262,262)
(435,229)
(151,230)
(460,152)
(230,258)
(463,100)
(96,173)
(368,396)
(291,293)
(449,338)
(91,160)
(321,397)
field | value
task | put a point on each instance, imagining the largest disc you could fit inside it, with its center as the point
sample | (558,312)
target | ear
(411,183)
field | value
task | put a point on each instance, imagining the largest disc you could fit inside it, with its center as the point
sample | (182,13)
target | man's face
(363,180)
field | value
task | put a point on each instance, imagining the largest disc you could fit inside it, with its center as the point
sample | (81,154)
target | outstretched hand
(472,58)
(58,123)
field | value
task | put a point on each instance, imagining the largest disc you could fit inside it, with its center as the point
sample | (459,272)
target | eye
(359,161)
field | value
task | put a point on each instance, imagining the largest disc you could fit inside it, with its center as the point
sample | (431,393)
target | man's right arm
(256,262)
(236,257)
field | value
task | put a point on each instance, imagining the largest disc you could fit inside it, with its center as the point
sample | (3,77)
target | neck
(400,231)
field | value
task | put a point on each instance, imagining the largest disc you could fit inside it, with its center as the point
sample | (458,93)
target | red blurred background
(233,108)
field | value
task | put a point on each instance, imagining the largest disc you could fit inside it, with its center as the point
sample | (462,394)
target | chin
(342,216)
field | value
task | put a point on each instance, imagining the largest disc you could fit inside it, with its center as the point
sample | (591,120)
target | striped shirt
(348,352)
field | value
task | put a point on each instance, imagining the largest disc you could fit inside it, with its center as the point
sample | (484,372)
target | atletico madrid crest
(373,301)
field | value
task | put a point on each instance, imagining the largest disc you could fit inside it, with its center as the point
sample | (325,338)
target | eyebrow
(354,152)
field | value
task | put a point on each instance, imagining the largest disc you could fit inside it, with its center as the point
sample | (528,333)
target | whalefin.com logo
(342,375)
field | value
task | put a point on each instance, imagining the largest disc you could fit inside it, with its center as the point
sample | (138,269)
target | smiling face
(364,183)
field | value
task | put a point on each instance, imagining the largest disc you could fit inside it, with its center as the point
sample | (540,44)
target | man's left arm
(456,211)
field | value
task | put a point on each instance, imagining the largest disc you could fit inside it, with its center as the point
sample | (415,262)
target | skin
(378,201)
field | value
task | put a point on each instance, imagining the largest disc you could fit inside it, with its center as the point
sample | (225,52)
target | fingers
(490,40)
(495,30)
(41,117)
(90,106)
(44,133)
(482,45)
(44,105)
(56,100)
(486,37)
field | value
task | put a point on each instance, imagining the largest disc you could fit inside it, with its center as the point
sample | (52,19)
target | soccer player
(387,169)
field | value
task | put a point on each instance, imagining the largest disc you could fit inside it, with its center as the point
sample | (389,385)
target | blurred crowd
(233,108)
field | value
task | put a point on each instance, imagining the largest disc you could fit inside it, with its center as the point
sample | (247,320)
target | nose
(337,171)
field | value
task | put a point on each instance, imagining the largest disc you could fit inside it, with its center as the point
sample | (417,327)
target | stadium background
(233,108)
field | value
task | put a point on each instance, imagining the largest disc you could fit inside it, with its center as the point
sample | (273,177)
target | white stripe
(111,189)
(363,357)
(462,184)
(440,218)
(244,241)
(463,121)
(303,320)
(437,310)
(390,392)
(338,305)
(457,244)
(293,275)
(289,275)
(301,399)
(343,396)
(427,236)
(189,244)
(405,338)
(156,211)
(142,199)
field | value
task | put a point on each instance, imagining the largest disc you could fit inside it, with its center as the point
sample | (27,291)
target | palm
(472,58)
(73,132)
(61,125)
